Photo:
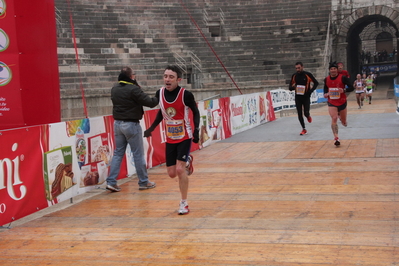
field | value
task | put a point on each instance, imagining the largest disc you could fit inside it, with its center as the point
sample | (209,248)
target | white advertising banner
(73,157)
(211,126)
(244,112)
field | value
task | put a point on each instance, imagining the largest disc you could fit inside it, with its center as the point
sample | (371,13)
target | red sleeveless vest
(176,118)
(335,98)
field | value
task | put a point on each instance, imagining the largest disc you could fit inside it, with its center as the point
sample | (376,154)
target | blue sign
(320,96)
(383,68)
(397,90)
(396,86)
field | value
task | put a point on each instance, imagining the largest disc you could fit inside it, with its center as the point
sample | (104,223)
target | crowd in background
(378,56)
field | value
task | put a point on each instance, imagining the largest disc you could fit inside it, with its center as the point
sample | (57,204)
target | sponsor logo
(10,177)
(4,40)
(2,8)
(5,74)
(236,110)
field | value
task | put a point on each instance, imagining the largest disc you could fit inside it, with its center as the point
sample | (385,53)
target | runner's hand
(196,136)
(147,133)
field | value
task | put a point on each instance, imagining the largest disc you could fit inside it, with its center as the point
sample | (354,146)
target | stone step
(258,50)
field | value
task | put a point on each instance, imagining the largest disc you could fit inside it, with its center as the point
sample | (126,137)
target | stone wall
(258,44)
(350,17)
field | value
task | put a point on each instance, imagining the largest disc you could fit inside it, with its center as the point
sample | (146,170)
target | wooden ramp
(257,203)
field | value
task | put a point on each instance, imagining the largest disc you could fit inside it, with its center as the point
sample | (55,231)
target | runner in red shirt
(175,103)
(334,90)
(341,70)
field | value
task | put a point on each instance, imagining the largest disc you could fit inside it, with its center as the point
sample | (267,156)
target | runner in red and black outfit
(301,82)
(334,90)
(175,103)
(341,70)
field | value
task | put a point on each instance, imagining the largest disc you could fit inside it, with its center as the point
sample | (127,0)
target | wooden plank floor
(260,203)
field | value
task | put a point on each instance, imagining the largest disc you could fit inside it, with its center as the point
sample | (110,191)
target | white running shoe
(183,208)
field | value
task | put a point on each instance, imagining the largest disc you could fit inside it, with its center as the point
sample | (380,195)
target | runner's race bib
(359,87)
(175,129)
(334,93)
(300,89)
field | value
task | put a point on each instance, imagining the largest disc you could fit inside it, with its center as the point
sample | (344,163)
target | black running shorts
(177,151)
(340,108)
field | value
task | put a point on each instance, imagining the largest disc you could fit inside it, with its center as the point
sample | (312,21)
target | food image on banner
(93,174)
(99,149)
(81,147)
(211,123)
(58,174)
(79,128)
(203,132)
(262,109)
(216,124)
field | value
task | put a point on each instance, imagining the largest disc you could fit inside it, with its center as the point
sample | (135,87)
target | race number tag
(175,129)
(334,93)
(359,87)
(300,89)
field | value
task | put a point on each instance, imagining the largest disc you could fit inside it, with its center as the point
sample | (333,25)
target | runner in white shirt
(359,86)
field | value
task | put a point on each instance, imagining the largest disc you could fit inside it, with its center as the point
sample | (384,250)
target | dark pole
(397,57)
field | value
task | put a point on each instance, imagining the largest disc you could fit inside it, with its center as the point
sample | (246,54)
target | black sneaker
(337,143)
(113,188)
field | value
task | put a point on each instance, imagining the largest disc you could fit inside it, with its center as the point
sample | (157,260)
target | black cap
(333,64)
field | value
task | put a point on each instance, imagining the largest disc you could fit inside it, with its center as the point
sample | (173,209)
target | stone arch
(347,35)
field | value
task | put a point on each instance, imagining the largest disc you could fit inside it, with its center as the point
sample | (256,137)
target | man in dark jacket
(301,83)
(128,100)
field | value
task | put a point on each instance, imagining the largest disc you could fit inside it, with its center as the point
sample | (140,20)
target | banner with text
(24,25)
(11,113)
(44,165)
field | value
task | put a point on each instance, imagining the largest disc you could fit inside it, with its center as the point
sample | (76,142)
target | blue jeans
(132,134)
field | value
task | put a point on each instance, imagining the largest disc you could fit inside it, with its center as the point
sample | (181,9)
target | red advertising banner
(156,143)
(270,108)
(109,127)
(28,49)
(46,164)
(37,42)
(22,189)
(11,113)
(224,104)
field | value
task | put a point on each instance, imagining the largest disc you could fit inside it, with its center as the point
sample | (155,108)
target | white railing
(195,61)
(327,47)
(220,16)
(180,62)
